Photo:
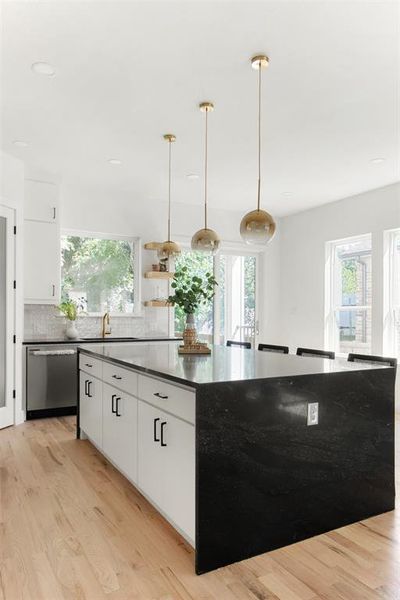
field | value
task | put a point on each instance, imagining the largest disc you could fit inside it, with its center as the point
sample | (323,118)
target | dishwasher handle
(68,352)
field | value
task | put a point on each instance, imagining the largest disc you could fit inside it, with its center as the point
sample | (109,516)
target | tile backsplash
(44,321)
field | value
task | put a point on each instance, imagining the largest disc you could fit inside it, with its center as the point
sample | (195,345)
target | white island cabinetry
(145,427)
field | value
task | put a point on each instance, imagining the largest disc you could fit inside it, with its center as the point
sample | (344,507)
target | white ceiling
(127,72)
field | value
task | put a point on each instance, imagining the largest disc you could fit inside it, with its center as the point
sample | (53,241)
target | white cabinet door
(150,457)
(120,429)
(166,465)
(42,263)
(179,473)
(41,201)
(90,407)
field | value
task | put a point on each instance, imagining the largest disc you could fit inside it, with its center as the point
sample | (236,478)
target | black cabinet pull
(156,439)
(162,396)
(117,413)
(88,389)
(112,403)
(88,365)
(162,433)
(116,377)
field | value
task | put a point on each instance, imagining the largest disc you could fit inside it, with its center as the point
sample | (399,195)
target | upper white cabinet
(41,201)
(42,260)
(41,263)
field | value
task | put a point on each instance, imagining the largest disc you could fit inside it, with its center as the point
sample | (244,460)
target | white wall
(302,261)
(12,195)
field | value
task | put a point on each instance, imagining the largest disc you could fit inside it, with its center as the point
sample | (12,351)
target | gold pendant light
(258,226)
(206,240)
(169,249)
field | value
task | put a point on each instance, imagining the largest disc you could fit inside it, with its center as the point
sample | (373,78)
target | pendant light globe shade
(168,249)
(206,240)
(257,227)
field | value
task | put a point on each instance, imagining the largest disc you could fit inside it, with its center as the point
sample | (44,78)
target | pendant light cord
(259,137)
(169,190)
(206,172)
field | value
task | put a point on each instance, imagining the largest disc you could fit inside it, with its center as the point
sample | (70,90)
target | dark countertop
(223,365)
(43,340)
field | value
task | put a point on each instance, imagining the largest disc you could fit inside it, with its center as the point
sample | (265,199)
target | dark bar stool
(241,344)
(369,358)
(273,348)
(316,353)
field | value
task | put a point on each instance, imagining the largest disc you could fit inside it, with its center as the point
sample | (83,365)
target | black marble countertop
(223,365)
(43,340)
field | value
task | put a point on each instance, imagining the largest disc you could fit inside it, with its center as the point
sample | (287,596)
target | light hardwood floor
(72,528)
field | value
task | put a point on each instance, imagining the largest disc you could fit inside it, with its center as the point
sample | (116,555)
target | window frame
(391,310)
(331,340)
(137,267)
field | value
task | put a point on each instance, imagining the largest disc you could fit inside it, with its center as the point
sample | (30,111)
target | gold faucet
(105,327)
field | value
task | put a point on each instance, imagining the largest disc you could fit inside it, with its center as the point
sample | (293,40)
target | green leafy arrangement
(72,308)
(191,291)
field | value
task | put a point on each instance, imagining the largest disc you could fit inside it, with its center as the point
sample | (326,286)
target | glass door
(235,305)
(7,312)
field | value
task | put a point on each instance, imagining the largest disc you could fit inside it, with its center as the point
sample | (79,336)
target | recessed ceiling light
(43,68)
(114,161)
(378,160)
(192,176)
(20,143)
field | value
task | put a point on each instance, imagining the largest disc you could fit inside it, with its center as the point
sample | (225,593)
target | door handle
(88,365)
(54,290)
(156,439)
(112,403)
(116,377)
(162,396)
(88,389)
(54,212)
(162,433)
(117,413)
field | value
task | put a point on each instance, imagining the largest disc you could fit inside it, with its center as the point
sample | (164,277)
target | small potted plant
(71,309)
(190,291)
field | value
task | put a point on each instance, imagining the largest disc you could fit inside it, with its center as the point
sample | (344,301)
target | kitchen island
(243,451)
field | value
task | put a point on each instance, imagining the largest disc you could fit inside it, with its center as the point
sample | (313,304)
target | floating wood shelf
(153,245)
(157,303)
(158,275)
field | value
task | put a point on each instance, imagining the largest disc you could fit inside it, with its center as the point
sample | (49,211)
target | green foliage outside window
(100,271)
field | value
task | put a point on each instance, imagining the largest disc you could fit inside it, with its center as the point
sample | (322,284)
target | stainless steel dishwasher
(51,381)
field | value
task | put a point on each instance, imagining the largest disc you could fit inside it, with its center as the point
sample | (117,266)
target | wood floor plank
(73,528)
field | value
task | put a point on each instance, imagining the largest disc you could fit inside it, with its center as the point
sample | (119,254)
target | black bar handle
(117,413)
(116,377)
(88,388)
(112,403)
(162,396)
(162,433)
(88,365)
(156,439)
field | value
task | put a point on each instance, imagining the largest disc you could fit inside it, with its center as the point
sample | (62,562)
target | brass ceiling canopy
(258,226)
(206,240)
(169,249)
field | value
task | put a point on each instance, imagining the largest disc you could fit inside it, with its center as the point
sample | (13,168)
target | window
(101,272)
(392,294)
(232,315)
(349,289)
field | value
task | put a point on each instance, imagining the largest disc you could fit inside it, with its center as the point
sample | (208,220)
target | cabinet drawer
(168,397)
(124,379)
(90,365)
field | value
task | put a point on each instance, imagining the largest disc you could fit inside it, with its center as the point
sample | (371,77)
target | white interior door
(7,316)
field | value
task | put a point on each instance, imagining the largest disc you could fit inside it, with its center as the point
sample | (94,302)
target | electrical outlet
(312,413)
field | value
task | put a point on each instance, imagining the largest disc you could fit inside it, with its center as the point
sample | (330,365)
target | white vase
(71,331)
